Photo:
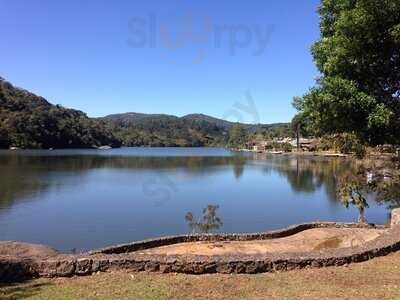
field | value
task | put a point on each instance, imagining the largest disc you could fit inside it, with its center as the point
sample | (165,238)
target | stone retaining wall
(125,257)
(273,234)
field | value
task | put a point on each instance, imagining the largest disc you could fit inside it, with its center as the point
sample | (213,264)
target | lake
(85,199)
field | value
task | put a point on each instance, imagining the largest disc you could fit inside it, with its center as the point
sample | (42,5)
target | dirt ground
(26,250)
(317,239)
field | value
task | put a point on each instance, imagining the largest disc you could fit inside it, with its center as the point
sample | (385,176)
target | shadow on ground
(20,290)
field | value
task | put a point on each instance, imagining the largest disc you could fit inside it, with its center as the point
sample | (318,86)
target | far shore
(369,155)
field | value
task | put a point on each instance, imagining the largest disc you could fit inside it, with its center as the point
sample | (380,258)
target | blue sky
(175,57)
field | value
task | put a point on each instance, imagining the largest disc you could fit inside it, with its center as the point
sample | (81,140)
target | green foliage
(360,150)
(135,129)
(276,146)
(352,190)
(167,131)
(358,56)
(346,143)
(29,121)
(237,136)
(300,121)
(287,147)
(382,181)
(209,222)
(388,188)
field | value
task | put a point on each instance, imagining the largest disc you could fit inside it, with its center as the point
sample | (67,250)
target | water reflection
(206,223)
(377,178)
(307,175)
(87,199)
(23,176)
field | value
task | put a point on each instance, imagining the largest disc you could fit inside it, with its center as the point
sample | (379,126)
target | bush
(344,143)
(386,148)
(327,142)
(360,151)
(286,147)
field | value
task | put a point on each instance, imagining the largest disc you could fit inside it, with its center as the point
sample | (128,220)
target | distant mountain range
(137,129)
(30,121)
(133,118)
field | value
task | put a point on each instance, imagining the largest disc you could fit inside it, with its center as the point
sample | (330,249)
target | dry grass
(375,279)
(331,243)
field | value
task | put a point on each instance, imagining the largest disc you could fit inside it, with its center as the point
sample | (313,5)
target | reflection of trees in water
(207,223)
(22,175)
(310,174)
(238,166)
(388,190)
(353,189)
(380,178)
(18,181)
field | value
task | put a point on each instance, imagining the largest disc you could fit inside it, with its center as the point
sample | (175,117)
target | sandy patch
(25,250)
(318,239)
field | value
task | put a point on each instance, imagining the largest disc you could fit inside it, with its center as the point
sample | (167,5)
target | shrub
(386,148)
(287,147)
(327,142)
(344,143)
(360,151)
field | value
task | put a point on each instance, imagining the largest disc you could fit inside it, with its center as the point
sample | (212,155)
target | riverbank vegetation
(354,104)
(357,55)
(370,177)
(30,121)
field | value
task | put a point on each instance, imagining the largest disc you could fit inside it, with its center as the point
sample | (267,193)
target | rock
(83,266)
(56,267)
(25,250)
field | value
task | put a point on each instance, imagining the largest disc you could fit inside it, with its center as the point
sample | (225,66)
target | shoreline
(32,261)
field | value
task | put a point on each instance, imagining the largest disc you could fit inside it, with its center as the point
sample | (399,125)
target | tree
(358,56)
(29,121)
(209,222)
(237,136)
(387,186)
(352,193)
(4,140)
(354,187)
(383,181)
(299,125)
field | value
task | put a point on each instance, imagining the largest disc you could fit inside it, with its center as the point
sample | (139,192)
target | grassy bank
(375,279)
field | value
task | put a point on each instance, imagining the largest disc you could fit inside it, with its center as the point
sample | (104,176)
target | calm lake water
(85,199)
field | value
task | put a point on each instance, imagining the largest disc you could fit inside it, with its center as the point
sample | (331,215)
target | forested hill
(135,129)
(30,121)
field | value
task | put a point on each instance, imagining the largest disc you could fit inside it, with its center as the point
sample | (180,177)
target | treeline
(189,131)
(29,121)
(167,131)
(358,56)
